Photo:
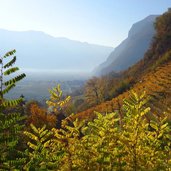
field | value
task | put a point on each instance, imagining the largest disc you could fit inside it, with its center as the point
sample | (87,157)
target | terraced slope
(157,84)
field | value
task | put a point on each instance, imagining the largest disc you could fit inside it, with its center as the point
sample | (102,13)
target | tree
(57,105)
(102,144)
(39,117)
(10,126)
(5,86)
(40,152)
(146,144)
(95,91)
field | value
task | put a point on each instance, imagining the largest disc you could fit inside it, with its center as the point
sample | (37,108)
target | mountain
(132,49)
(151,74)
(37,50)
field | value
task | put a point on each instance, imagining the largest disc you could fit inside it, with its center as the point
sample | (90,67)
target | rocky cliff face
(132,49)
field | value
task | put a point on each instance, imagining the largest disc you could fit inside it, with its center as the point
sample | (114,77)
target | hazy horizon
(54,75)
(68,37)
(96,22)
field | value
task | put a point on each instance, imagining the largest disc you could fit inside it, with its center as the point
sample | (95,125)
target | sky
(103,22)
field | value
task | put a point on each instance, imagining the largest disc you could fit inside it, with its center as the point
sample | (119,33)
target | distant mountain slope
(132,49)
(157,84)
(38,50)
(151,74)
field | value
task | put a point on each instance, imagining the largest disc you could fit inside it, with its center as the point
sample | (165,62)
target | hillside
(132,49)
(37,50)
(152,74)
(156,84)
(56,115)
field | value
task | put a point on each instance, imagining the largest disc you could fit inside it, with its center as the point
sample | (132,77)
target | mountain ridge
(62,53)
(56,37)
(138,40)
(151,74)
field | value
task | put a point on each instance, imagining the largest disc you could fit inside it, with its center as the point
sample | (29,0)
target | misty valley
(37,84)
(70,105)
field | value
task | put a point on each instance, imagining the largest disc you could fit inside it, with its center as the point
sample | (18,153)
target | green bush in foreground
(10,127)
(103,144)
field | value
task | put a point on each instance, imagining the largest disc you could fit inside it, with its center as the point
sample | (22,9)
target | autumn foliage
(126,124)
(39,117)
(151,74)
(104,144)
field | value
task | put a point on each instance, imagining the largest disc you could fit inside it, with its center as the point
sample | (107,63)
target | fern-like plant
(7,69)
(10,131)
(145,143)
(101,138)
(56,103)
(10,123)
(102,144)
(69,139)
(40,152)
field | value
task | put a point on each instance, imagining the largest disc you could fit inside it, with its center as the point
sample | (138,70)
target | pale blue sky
(104,22)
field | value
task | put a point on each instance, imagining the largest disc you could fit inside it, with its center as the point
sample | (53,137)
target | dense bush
(104,144)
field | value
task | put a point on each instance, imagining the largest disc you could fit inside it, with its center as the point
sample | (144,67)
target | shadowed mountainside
(132,49)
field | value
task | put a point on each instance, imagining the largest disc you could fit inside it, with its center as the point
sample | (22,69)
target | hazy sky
(104,22)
